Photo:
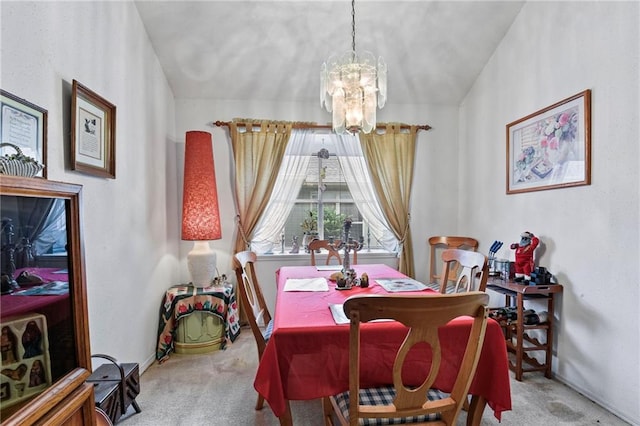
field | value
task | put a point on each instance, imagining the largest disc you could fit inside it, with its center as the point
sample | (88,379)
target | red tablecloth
(307,356)
(54,306)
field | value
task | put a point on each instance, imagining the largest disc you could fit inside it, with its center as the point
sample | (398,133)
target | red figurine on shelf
(524,255)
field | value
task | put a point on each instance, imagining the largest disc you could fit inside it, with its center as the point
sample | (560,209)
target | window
(322,173)
(324,187)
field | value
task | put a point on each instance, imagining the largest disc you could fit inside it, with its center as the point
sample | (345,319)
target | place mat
(329,268)
(306,284)
(394,285)
(54,288)
(337,311)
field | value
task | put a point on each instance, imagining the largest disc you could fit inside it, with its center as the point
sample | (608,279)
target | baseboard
(147,363)
(595,399)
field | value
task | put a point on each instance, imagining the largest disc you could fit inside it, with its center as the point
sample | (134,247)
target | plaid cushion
(385,395)
(434,286)
(267,331)
(449,290)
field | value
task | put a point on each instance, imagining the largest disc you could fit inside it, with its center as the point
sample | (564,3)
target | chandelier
(352,85)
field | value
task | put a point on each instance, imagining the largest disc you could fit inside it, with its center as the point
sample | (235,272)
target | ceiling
(273,50)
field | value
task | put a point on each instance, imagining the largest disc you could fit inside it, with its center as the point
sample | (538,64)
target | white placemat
(329,268)
(393,285)
(337,311)
(306,284)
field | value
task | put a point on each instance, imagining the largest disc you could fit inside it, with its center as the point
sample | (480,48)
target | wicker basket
(18,164)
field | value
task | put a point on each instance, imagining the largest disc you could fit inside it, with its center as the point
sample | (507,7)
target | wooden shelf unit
(523,361)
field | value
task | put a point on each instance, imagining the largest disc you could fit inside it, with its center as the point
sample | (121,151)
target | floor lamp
(200,214)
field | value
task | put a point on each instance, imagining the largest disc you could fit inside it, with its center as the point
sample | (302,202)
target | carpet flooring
(217,389)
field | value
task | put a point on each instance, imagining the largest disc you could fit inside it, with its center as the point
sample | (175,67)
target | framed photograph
(24,125)
(93,133)
(551,148)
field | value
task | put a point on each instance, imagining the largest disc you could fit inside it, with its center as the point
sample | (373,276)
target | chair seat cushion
(434,286)
(267,331)
(449,290)
(382,396)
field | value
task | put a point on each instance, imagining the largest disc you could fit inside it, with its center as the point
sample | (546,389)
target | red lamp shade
(200,214)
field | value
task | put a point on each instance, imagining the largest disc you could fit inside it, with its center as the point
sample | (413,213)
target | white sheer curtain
(285,192)
(356,174)
(54,234)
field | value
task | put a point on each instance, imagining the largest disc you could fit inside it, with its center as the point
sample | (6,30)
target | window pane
(333,222)
(325,185)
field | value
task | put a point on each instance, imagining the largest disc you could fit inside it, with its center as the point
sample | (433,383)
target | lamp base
(201,261)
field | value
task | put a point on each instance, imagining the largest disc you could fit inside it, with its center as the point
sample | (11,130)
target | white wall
(130,236)
(590,234)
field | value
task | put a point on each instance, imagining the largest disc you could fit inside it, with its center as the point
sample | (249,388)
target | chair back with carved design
(323,245)
(439,243)
(412,402)
(253,303)
(472,271)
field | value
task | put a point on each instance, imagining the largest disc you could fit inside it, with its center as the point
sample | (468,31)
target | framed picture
(93,133)
(24,125)
(551,148)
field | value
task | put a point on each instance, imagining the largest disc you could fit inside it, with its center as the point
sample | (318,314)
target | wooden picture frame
(24,125)
(551,148)
(93,133)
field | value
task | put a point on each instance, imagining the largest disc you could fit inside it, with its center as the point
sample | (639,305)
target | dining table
(307,355)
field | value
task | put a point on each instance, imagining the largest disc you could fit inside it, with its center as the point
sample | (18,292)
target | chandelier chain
(353,26)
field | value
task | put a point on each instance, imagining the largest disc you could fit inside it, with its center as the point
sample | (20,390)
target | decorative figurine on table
(524,255)
(295,248)
(348,244)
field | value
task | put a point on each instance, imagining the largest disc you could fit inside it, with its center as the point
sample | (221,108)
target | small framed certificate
(24,125)
(93,133)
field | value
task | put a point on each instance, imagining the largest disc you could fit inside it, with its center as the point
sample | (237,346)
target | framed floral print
(551,148)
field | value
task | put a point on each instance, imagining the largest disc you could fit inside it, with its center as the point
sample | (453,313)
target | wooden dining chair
(439,243)
(423,315)
(253,303)
(323,245)
(472,271)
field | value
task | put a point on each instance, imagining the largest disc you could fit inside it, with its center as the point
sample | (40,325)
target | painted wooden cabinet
(198,333)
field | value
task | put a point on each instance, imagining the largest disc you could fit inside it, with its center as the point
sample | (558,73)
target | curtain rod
(299,125)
